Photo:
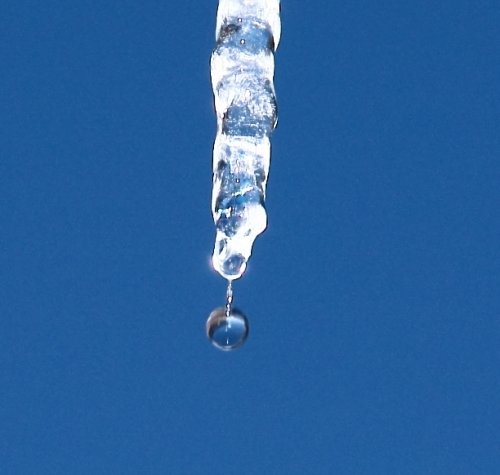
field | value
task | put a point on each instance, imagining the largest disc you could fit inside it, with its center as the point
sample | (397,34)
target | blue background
(373,296)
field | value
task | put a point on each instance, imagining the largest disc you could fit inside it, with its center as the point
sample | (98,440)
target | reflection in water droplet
(227,332)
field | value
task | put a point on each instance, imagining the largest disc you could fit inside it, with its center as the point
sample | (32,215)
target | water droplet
(227,332)
(233,266)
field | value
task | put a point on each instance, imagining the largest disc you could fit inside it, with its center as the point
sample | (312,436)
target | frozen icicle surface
(242,69)
(266,10)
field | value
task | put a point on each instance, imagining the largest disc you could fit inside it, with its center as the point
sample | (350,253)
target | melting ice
(242,70)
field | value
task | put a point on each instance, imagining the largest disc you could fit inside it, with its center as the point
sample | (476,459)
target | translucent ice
(267,10)
(242,69)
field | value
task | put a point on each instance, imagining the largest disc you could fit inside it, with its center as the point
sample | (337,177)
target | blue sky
(373,296)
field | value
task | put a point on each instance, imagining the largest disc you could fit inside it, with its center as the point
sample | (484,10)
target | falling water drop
(227,328)
(227,331)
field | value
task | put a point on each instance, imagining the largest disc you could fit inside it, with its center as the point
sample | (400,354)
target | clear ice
(242,70)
